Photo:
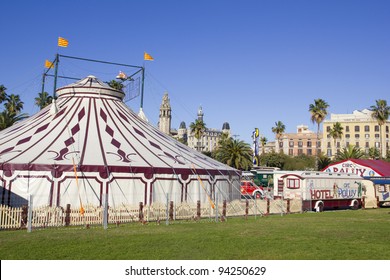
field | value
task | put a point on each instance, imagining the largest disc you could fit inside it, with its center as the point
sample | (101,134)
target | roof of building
(379,166)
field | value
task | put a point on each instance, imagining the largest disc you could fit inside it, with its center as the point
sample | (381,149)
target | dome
(226,126)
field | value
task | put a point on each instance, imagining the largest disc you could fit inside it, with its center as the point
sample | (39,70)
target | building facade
(210,138)
(302,142)
(359,130)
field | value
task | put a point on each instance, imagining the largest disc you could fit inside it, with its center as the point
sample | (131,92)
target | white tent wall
(114,152)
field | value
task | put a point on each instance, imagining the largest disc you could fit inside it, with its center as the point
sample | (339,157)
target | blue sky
(250,63)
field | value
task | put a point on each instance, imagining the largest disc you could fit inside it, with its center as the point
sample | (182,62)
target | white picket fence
(41,217)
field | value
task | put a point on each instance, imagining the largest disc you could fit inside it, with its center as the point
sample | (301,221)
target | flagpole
(55,76)
(142,87)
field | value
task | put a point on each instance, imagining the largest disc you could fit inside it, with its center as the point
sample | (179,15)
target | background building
(210,138)
(359,129)
(303,142)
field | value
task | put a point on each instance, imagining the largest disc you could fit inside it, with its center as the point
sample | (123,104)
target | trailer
(320,191)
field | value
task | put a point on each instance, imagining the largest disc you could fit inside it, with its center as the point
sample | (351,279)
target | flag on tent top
(49,64)
(148,56)
(62,42)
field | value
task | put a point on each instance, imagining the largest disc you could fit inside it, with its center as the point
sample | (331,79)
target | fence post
(67,215)
(105,211)
(216,209)
(167,210)
(171,211)
(268,206)
(198,210)
(288,205)
(24,220)
(223,211)
(29,213)
(246,208)
(140,212)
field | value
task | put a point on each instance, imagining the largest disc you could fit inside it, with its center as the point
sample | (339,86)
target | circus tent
(88,145)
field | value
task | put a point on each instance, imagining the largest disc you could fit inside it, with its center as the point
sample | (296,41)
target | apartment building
(359,129)
(302,142)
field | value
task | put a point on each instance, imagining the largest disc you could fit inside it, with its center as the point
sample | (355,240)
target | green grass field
(337,235)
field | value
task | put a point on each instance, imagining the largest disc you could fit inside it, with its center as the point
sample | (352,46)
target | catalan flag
(148,56)
(62,42)
(49,64)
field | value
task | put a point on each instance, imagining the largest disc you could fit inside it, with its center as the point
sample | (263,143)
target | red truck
(249,189)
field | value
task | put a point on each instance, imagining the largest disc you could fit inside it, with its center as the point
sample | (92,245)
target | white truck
(320,191)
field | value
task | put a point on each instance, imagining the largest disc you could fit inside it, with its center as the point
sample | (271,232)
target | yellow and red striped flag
(49,64)
(62,42)
(148,57)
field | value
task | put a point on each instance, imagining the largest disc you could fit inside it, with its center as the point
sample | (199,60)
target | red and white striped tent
(89,144)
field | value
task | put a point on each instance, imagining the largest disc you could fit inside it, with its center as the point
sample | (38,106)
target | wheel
(320,207)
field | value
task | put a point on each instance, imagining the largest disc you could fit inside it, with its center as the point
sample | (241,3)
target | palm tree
(43,100)
(336,132)
(13,104)
(235,153)
(380,113)
(3,95)
(279,129)
(198,128)
(318,112)
(116,85)
(263,141)
(349,152)
(8,119)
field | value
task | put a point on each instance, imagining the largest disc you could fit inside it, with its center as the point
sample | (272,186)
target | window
(367,136)
(357,144)
(309,144)
(309,152)
(347,136)
(291,143)
(367,144)
(377,136)
(357,128)
(367,128)
(347,128)
(377,128)
(300,144)
(357,136)
(293,183)
(290,152)
(327,128)
(338,145)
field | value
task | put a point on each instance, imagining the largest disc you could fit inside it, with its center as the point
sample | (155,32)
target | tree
(336,132)
(3,95)
(323,161)
(380,113)
(8,119)
(198,128)
(116,85)
(318,112)
(13,104)
(279,129)
(275,159)
(349,152)
(235,153)
(43,100)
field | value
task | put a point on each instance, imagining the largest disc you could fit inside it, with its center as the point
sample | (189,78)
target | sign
(352,168)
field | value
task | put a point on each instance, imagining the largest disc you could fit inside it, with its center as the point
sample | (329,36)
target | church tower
(164,123)
(200,113)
